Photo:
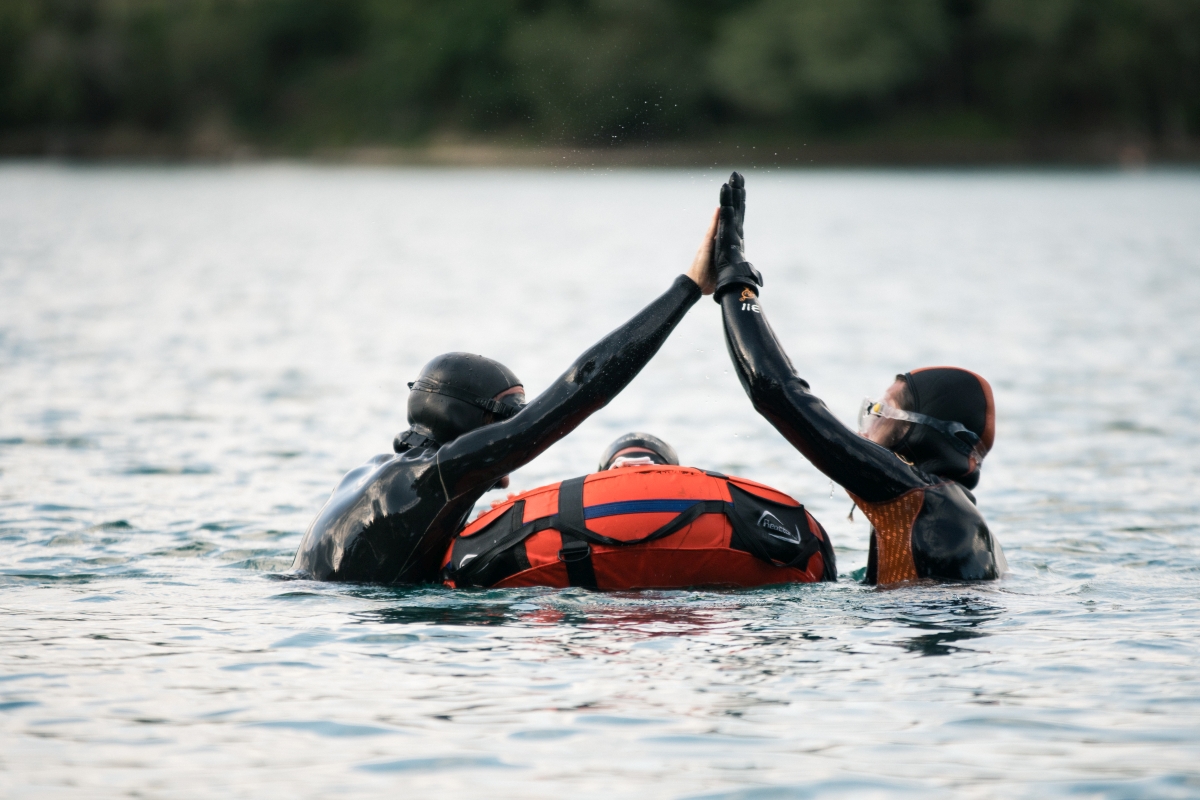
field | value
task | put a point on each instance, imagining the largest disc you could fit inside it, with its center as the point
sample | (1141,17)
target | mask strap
(501,410)
(950,429)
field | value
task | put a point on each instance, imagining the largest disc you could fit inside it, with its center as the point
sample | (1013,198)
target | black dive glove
(732,267)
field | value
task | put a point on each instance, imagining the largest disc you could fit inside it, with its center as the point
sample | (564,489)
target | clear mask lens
(864,414)
(964,440)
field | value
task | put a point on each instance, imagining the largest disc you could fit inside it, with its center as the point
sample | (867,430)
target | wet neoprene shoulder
(391,519)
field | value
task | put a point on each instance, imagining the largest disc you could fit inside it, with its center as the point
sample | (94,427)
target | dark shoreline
(1092,151)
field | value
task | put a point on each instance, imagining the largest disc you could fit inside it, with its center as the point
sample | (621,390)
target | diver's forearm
(589,384)
(761,364)
(608,366)
(784,400)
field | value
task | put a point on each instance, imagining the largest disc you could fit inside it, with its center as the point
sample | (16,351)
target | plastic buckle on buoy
(577,553)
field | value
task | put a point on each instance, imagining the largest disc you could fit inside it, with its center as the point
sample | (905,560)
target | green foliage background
(341,72)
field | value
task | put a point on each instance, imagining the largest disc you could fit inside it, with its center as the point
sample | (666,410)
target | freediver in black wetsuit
(919,449)
(390,520)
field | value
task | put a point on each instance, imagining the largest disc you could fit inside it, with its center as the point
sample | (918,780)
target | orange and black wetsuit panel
(923,526)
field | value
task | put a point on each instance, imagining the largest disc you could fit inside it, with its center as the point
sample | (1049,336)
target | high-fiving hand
(730,259)
(702,271)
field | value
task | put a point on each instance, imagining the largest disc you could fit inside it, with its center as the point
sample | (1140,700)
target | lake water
(191,358)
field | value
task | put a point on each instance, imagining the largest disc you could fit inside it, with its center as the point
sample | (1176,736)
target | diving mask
(962,438)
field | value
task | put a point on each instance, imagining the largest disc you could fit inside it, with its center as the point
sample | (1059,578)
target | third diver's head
(942,419)
(456,393)
(635,449)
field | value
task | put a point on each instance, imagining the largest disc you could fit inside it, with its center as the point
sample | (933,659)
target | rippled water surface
(191,358)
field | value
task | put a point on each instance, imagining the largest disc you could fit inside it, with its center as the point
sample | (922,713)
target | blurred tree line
(341,72)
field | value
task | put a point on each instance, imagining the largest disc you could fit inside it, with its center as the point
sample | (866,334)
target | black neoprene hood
(454,394)
(953,395)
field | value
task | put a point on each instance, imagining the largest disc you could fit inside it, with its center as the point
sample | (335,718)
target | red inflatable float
(643,527)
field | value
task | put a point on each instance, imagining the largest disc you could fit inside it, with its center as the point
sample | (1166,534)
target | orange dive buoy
(639,528)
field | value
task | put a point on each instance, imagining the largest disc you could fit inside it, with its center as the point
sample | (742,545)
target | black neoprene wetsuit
(391,520)
(949,537)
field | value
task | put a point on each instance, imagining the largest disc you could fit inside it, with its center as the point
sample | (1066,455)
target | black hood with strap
(953,395)
(453,394)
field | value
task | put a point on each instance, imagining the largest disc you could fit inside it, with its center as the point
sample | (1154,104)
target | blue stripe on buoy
(637,507)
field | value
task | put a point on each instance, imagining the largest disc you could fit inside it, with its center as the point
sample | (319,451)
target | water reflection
(647,613)
(433,615)
(947,619)
(938,644)
(749,619)
(961,611)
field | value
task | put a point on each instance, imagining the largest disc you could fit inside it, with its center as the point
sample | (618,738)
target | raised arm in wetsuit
(390,520)
(920,450)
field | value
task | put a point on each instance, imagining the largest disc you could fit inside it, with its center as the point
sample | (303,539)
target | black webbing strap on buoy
(745,514)
(576,554)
